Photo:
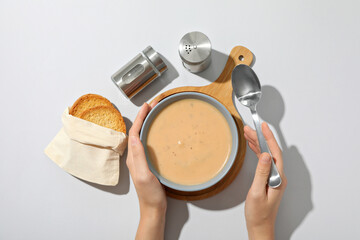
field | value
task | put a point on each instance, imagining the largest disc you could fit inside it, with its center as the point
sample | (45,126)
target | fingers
(153,104)
(255,149)
(139,120)
(136,153)
(250,135)
(273,145)
(252,142)
(262,174)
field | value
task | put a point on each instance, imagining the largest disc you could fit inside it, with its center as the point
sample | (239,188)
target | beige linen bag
(87,150)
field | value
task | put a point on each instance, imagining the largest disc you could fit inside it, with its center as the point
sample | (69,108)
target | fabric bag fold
(88,151)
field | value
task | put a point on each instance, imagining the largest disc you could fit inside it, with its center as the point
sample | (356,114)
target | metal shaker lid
(195,51)
(154,58)
(194,47)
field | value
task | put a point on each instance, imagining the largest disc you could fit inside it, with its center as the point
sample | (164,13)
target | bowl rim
(228,117)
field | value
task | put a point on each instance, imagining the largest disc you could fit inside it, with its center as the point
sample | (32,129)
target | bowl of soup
(190,141)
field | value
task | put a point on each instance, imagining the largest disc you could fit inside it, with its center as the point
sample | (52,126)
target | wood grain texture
(221,90)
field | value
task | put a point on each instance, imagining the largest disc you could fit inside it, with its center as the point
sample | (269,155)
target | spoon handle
(274,177)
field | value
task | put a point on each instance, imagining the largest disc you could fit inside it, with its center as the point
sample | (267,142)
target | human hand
(151,194)
(262,203)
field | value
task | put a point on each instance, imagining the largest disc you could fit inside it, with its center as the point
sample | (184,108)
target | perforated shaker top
(194,48)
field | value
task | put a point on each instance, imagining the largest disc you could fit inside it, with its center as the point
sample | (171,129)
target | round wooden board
(221,90)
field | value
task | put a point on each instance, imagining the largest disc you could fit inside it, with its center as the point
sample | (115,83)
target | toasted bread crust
(105,116)
(86,102)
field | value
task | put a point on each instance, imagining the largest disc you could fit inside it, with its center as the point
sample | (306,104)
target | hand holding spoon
(247,90)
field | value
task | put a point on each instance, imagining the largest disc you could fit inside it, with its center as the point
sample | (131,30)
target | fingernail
(133,140)
(265,158)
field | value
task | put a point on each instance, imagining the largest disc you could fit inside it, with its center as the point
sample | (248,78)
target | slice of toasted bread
(86,102)
(105,116)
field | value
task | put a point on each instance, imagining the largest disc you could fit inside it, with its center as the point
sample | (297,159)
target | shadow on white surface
(297,200)
(124,178)
(177,215)
(157,85)
(218,62)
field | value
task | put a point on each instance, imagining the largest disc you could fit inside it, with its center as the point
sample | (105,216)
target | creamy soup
(189,142)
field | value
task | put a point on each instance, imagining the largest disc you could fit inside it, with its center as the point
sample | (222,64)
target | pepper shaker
(139,72)
(195,51)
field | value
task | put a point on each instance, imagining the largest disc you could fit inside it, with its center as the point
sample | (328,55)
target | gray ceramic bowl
(235,139)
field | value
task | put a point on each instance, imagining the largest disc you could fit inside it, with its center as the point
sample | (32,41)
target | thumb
(138,154)
(262,173)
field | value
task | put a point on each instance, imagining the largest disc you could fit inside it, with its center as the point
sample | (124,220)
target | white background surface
(307,59)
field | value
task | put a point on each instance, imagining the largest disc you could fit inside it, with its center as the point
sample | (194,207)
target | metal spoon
(247,89)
